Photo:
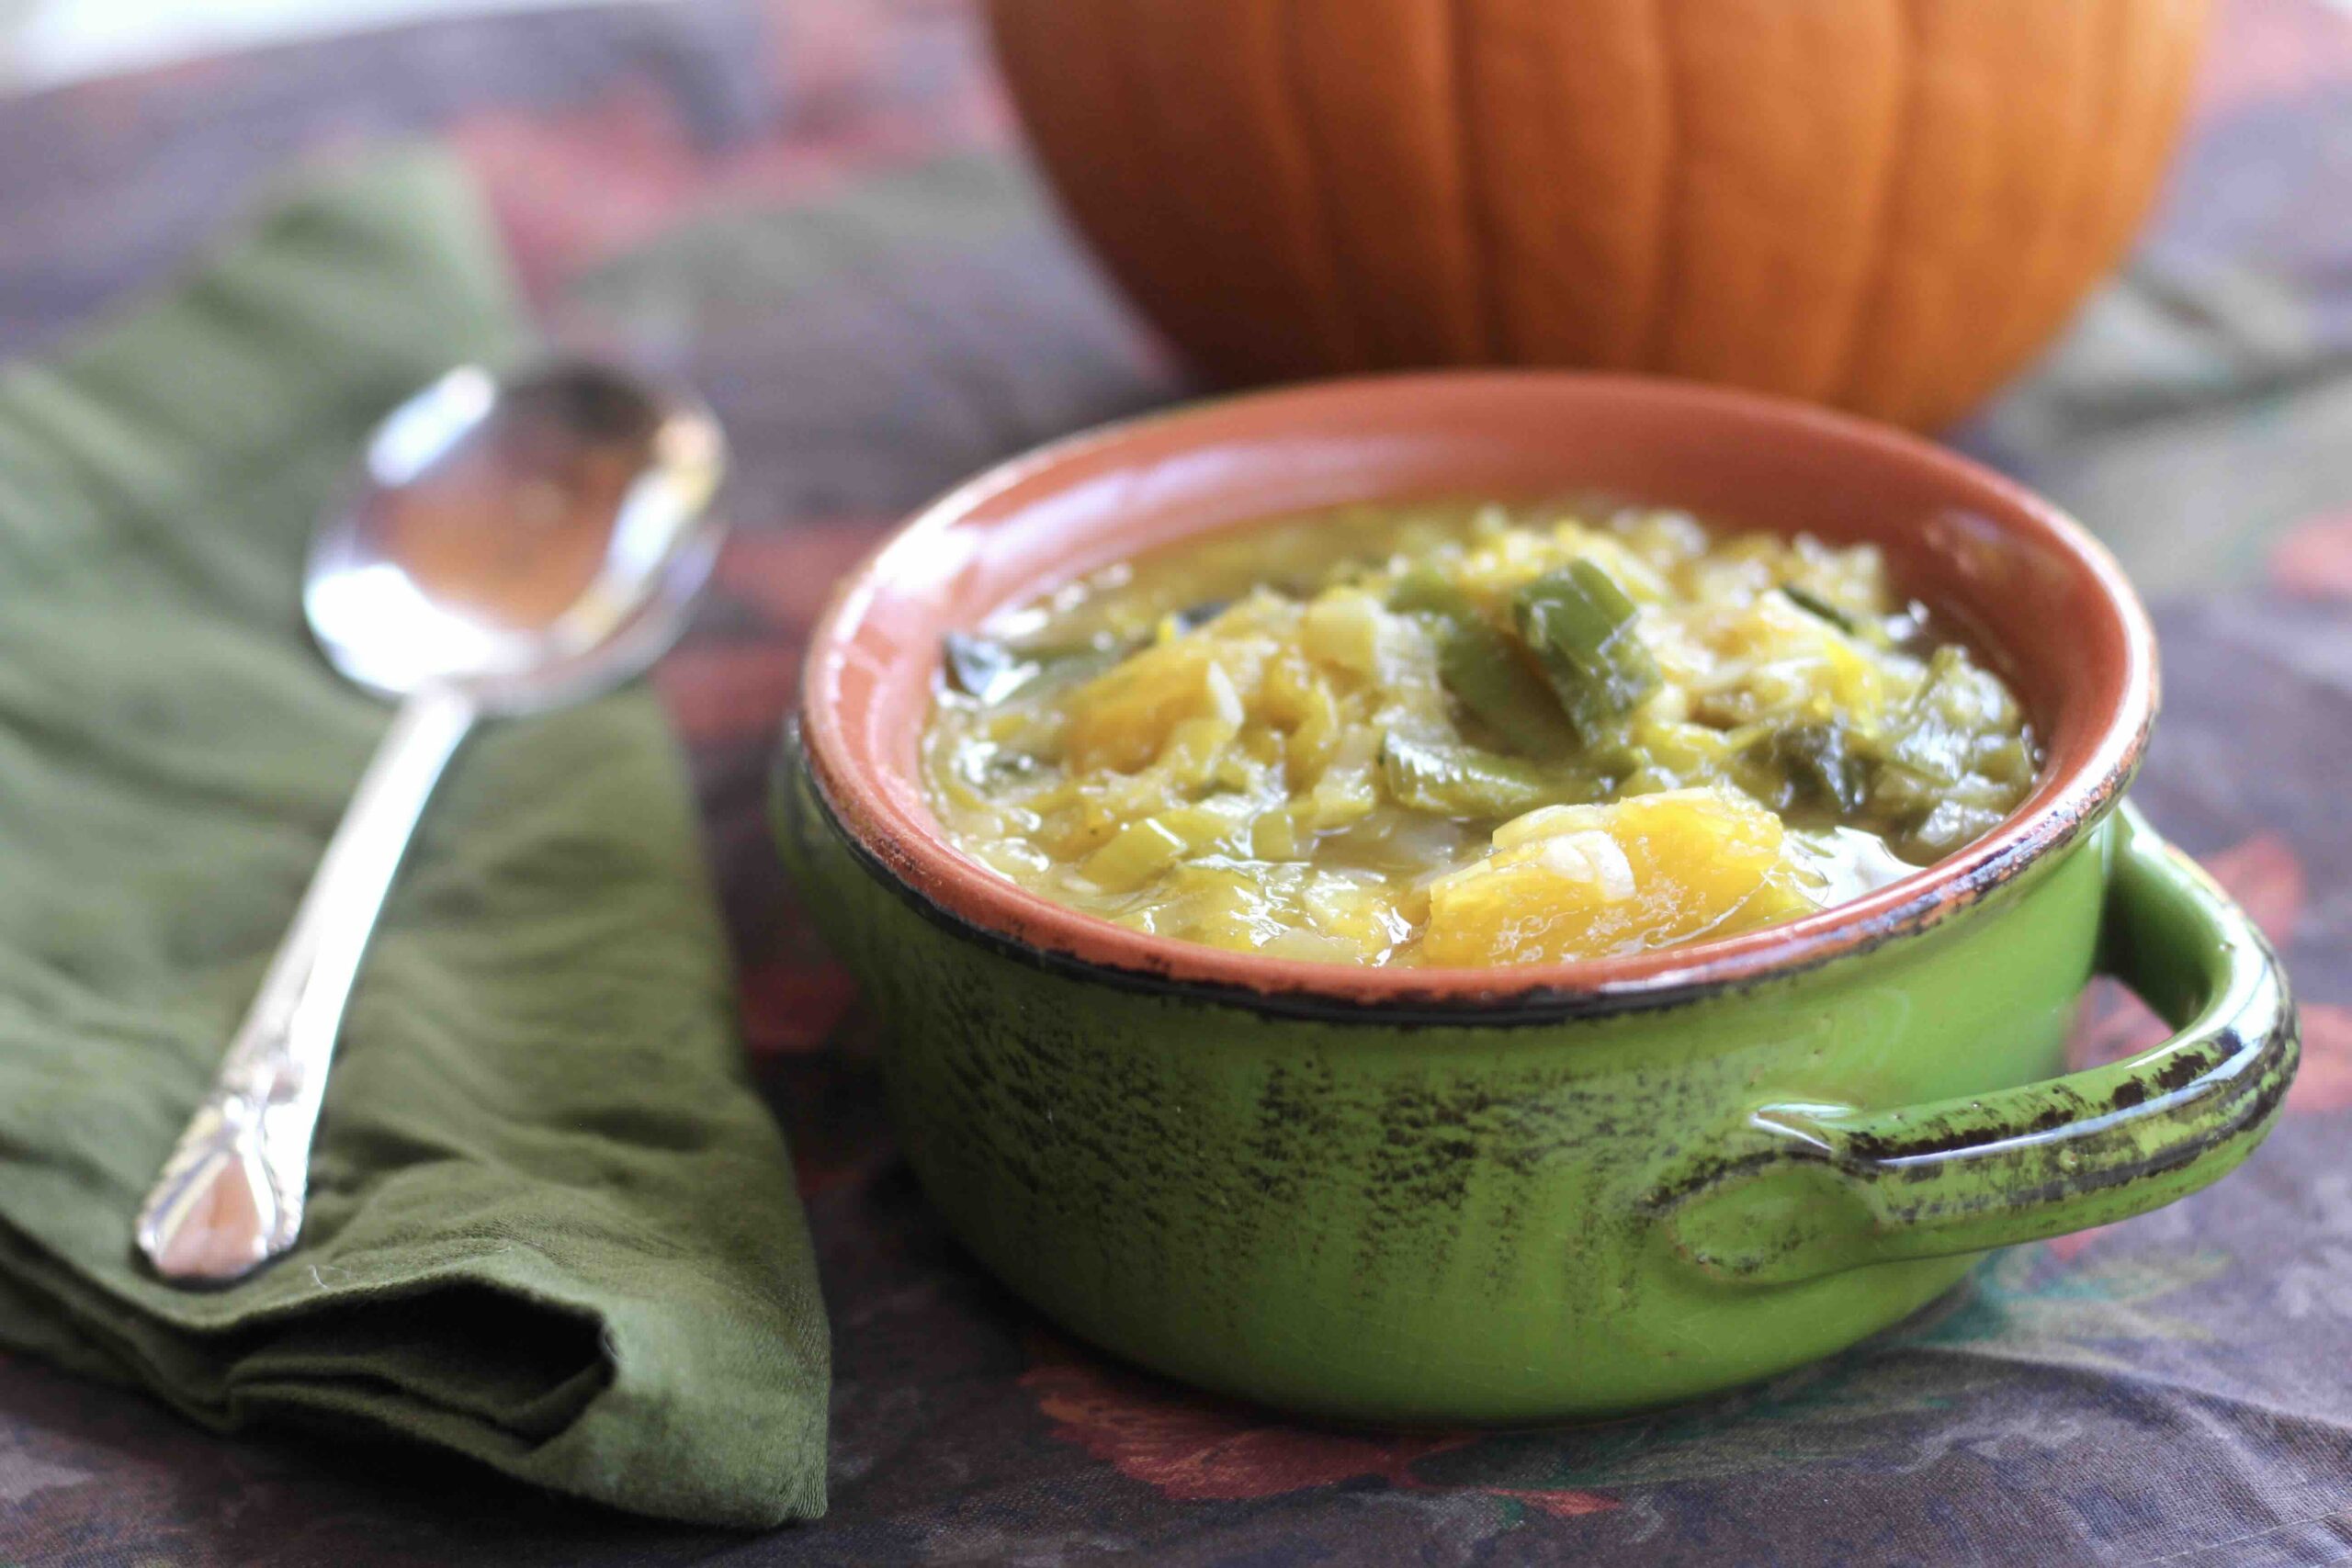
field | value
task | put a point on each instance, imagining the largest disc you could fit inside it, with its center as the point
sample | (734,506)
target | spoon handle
(231,1196)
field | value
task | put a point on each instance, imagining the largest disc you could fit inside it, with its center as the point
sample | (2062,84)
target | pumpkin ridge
(2043,262)
(1360,331)
(1980,352)
(1318,264)
(1839,387)
(1554,111)
(1141,149)
(1338,322)
(2135,192)
(1477,216)
(1666,256)
(1624,347)
(2108,196)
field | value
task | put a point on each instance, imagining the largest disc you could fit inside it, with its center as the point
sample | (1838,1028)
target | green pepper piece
(983,668)
(1814,604)
(1581,626)
(1819,764)
(989,671)
(1463,781)
(1478,665)
(1933,740)
(1427,591)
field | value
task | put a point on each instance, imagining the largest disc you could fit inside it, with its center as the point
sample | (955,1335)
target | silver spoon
(502,548)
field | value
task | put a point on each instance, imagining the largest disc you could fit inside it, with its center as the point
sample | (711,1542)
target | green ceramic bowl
(1536,1193)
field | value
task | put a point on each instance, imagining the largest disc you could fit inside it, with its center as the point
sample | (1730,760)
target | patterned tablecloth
(816,210)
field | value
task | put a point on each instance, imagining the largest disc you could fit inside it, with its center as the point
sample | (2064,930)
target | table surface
(817,209)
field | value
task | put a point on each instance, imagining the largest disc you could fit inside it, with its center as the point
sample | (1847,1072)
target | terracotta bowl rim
(907,847)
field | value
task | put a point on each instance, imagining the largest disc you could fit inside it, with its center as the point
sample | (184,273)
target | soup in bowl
(1471,734)
(1509,898)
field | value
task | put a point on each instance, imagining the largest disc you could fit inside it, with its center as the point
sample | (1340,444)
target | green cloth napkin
(550,1225)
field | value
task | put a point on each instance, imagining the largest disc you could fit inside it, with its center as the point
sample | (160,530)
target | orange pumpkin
(1887,205)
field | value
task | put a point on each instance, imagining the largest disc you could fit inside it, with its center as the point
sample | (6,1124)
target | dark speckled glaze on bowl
(1548,1192)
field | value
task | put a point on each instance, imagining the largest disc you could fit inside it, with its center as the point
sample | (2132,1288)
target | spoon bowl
(525,541)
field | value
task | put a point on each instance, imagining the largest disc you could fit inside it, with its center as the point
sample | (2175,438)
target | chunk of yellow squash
(1122,718)
(1136,853)
(1572,881)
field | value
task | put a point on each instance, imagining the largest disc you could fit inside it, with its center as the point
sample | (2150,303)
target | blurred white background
(45,42)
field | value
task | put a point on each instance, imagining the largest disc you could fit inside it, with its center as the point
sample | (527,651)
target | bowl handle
(1802,1190)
